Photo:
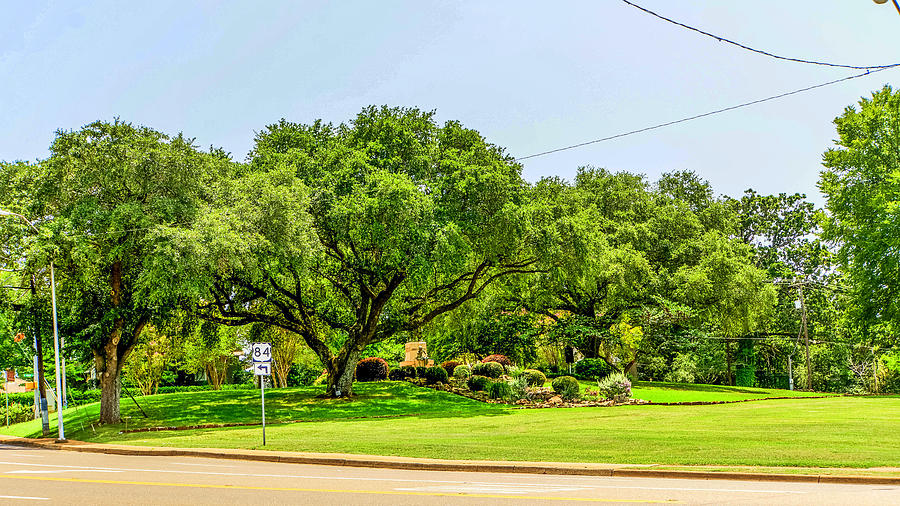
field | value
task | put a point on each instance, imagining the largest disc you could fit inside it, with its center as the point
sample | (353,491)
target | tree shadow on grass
(702,388)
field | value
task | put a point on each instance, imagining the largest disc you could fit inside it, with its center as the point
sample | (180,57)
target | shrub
(513,371)
(435,375)
(616,386)
(499,390)
(462,371)
(17,413)
(372,369)
(478,383)
(489,369)
(592,369)
(566,387)
(500,359)
(519,387)
(403,373)
(450,366)
(535,378)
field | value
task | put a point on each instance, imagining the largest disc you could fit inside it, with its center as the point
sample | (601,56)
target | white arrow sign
(261,369)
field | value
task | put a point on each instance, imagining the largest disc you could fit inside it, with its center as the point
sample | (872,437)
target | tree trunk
(342,372)
(109,369)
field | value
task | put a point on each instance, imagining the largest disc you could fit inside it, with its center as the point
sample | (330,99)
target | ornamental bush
(592,369)
(403,373)
(500,359)
(371,369)
(489,369)
(462,371)
(17,413)
(450,366)
(566,387)
(478,383)
(435,375)
(499,390)
(535,378)
(616,386)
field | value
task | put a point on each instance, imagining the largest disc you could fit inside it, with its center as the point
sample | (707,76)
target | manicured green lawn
(830,432)
(659,391)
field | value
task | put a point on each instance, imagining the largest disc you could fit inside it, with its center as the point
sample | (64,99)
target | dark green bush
(450,366)
(371,369)
(403,373)
(435,375)
(499,390)
(592,369)
(302,374)
(535,378)
(489,369)
(566,387)
(478,383)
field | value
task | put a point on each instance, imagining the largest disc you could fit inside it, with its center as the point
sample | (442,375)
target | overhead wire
(759,51)
(705,114)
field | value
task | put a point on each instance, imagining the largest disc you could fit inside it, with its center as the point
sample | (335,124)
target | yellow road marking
(335,490)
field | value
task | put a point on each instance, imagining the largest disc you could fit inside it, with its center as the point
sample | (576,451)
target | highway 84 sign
(261,353)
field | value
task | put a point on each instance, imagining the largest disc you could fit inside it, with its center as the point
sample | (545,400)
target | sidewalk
(882,476)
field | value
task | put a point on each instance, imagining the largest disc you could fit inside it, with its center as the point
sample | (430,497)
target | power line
(710,113)
(759,51)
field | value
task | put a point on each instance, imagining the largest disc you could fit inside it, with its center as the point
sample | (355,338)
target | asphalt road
(38,476)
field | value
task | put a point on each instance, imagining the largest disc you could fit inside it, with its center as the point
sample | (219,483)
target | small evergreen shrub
(499,390)
(566,387)
(17,412)
(535,378)
(519,387)
(450,366)
(462,371)
(616,386)
(477,383)
(514,372)
(372,369)
(500,359)
(489,369)
(592,369)
(435,375)
(402,373)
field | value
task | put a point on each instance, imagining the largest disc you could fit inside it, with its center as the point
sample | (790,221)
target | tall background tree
(105,192)
(350,234)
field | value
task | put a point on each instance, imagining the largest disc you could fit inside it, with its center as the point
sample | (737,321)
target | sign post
(262,366)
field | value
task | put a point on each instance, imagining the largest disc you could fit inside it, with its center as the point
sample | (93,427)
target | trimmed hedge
(566,387)
(534,378)
(435,375)
(478,383)
(489,369)
(371,369)
(462,371)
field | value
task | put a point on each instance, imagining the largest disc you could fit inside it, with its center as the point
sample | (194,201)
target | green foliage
(478,383)
(616,386)
(500,390)
(372,369)
(566,387)
(17,412)
(435,374)
(592,369)
(861,184)
(489,369)
(534,378)
(462,371)
(302,374)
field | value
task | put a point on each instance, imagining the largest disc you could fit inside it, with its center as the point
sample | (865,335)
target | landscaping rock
(555,400)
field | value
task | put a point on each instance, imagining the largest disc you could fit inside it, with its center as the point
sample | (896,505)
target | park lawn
(658,391)
(829,432)
(382,399)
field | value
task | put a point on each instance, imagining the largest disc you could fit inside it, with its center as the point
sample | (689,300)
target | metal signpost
(261,353)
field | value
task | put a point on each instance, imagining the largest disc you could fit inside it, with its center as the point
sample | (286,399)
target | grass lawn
(658,391)
(830,432)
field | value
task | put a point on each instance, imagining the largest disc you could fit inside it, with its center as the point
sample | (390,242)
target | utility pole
(805,335)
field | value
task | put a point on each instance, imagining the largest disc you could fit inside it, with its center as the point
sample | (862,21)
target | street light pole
(59,407)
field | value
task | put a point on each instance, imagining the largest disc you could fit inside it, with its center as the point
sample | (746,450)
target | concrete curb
(336,459)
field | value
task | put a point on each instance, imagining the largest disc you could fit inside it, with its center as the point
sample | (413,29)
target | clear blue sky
(530,76)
